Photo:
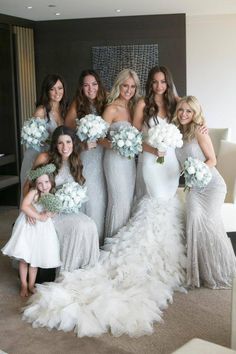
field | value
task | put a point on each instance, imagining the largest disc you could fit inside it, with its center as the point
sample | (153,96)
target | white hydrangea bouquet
(50,202)
(91,128)
(163,136)
(72,195)
(196,173)
(127,141)
(34,133)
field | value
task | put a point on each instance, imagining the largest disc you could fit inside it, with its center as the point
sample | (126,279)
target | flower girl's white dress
(135,277)
(36,244)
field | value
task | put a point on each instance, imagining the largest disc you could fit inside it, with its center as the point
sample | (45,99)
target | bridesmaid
(90,99)
(210,256)
(50,106)
(77,233)
(157,106)
(120,172)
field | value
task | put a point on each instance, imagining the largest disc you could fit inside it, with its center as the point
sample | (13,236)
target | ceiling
(68,9)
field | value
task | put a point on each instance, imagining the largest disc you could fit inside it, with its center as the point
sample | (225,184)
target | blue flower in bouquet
(196,173)
(162,136)
(72,195)
(127,141)
(34,133)
(91,128)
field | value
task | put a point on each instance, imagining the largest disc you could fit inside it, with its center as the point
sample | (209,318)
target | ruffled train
(134,280)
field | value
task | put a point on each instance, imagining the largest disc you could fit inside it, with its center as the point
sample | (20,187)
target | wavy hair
(198,119)
(124,75)
(151,107)
(83,104)
(44,98)
(75,163)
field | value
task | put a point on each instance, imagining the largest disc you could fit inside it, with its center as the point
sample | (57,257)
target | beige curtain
(25,62)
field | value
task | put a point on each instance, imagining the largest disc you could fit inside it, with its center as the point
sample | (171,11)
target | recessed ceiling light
(118,10)
(29,7)
(57,13)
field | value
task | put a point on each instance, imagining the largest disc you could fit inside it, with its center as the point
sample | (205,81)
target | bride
(139,268)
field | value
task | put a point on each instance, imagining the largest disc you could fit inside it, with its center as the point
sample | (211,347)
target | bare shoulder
(40,112)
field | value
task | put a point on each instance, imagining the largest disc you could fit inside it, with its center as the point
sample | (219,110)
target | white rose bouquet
(196,173)
(34,133)
(72,195)
(163,136)
(91,128)
(127,141)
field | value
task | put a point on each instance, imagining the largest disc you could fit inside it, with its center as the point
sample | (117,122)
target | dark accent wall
(64,46)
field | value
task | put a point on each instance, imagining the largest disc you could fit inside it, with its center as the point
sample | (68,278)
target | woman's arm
(138,118)
(109,116)
(28,208)
(71,116)
(205,144)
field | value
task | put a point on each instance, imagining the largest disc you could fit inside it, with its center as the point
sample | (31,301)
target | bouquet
(91,128)
(127,141)
(196,173)
(50,202)
(34,133)
(163,136)
(72,195)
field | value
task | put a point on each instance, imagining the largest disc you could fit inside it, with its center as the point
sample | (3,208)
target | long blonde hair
(124,75)
(198,118)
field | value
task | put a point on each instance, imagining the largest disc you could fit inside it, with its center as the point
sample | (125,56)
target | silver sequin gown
(31,154)
(210,256)
(77,233)
(93,172)
(120,175)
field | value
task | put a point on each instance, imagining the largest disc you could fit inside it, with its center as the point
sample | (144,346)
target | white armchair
(226,165)
(218,134)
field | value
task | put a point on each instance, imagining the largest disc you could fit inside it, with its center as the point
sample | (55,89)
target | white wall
(211,67)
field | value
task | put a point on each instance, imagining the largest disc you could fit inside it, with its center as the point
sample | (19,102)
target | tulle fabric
(126,292)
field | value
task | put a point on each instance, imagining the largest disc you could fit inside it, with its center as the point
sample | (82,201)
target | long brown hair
(75,163)
(83,104)
(151,107)
(44,98)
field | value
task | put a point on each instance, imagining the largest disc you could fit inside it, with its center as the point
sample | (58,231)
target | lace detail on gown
(210,256)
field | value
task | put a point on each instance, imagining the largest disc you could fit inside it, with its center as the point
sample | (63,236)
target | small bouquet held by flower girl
(91,128)
(72,195)
(127,141)
(196,173)
(34,133)
(50,202)
(163,136)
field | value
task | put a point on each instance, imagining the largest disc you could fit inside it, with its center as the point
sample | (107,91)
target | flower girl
(34,245)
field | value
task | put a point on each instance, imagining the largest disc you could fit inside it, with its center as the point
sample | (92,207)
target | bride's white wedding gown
(137,273)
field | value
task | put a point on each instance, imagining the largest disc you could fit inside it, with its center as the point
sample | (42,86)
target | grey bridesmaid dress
(120,175)
(210,256)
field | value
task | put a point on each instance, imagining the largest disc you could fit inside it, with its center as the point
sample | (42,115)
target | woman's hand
(106,143)
(203,129)
(158,153)
(91,145)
